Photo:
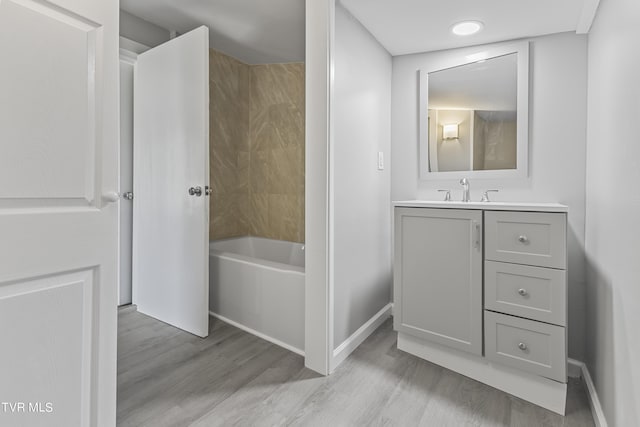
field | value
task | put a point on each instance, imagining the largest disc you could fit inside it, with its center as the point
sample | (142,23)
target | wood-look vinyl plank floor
(167,377)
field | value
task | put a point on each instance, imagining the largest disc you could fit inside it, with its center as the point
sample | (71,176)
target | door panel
(52,99)
(438,276)
(62,302)
(58,252)
(171,154)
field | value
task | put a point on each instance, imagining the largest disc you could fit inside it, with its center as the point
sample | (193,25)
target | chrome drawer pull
(476,241)
(523,292)
(523,239)
(522,346)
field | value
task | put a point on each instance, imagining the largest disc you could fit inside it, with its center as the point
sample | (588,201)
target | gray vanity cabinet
(481,289)
(438,276)
(440,296)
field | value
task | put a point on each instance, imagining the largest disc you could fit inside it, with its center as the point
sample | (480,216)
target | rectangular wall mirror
(474,115)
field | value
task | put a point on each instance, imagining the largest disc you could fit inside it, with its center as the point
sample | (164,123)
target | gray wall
(557,149)
(613,210)
(361,193)
(141,31)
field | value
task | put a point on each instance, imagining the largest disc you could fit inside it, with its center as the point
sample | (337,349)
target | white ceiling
(268,31)
(411,26)
(253,31)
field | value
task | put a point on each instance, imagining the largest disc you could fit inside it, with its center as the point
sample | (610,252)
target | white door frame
(320,24)
(128,57)
(129,51)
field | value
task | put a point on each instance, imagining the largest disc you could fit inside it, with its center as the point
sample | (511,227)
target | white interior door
(58,216)
(171,155)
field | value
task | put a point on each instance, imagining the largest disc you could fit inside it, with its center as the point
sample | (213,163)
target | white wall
(141,31)
(361,226)
(557,149)
(613,210)
(319,18)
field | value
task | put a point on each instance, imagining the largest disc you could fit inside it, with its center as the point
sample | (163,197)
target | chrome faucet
(465,189)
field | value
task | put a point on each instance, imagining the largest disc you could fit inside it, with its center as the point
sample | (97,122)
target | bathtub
(257,285)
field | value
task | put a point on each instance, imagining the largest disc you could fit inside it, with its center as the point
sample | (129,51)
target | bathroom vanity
(481,289)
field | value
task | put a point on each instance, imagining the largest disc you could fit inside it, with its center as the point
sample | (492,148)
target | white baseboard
(258,334)
(350,344)
(596,409)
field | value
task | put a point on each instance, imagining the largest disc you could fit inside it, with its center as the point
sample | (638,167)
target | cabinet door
(438,276)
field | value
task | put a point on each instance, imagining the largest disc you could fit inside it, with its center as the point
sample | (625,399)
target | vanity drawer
(532,238)
(535,347)
(533,292)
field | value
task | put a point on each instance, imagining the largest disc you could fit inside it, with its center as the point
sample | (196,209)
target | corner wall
(613,210)
(557,151)
(319,44)
(360,193)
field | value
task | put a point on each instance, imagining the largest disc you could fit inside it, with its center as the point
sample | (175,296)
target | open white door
(170,157)
(58,212)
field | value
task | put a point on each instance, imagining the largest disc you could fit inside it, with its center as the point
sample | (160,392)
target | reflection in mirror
(472,116)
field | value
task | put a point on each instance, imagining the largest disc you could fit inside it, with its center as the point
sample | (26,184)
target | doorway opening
(252,241)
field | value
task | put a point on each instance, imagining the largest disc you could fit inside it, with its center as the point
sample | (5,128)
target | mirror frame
(456,59)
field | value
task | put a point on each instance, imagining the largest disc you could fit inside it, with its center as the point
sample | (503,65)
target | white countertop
(489,206)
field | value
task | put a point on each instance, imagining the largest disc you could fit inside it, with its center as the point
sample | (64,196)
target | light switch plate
(380,160)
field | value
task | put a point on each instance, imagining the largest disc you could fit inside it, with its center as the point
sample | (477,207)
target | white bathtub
(257,285)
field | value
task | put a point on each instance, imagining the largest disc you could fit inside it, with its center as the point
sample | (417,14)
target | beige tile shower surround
(256,149)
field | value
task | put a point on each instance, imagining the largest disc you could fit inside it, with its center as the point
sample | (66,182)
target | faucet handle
(485,195)
(447,196)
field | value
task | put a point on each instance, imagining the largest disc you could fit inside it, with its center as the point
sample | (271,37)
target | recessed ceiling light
(466,28)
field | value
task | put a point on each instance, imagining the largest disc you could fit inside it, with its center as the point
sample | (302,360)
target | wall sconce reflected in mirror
(450,131)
